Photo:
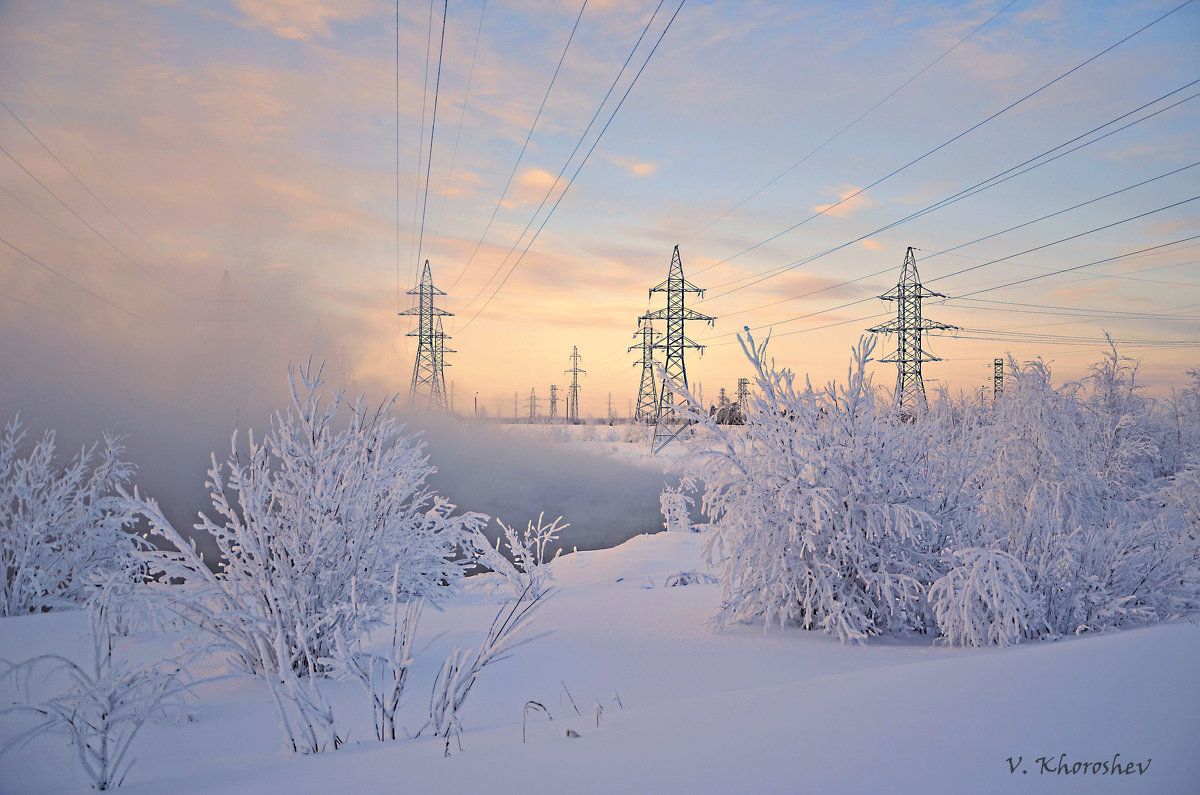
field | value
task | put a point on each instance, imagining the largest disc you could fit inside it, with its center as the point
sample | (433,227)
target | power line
(61,229)
(987,262)
(433,127)
(461,115)
(75,177)
(570,157)
(148,276)
(421,139)
(839,133)
(1117,276)
(1064,339)
(1076,267)
(1067,210)
(965,193)
(579,168)
(1010,256)
(525,145)
(97,160)
(967,131)
(69,280)
(1065,239)
(397,169)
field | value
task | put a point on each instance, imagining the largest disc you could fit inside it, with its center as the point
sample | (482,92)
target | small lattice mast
(997,379)
(675,343)
(428,389)
(573,391)
(743,392)
(909,328)
(553,402)
(647,402)
(532,404)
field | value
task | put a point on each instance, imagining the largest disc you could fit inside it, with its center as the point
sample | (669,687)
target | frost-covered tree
(314,524)
(59,530)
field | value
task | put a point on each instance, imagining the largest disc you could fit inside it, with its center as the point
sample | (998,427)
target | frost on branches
(1058,510)
(314,525)
(59,529)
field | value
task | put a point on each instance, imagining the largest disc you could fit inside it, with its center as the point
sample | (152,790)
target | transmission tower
(997,380)
(573,392)
(516,402)
(610,413)
(428,388)
(743,392)
(675,343)
(553,402)
(909,327)
(532,405)
(647,403)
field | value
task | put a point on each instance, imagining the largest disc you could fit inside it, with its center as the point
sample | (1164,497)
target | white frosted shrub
(984,600)
(815,520)
(59,531)
(314,525)
(1057,510)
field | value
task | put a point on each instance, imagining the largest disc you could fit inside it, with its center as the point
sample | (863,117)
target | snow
(735,710)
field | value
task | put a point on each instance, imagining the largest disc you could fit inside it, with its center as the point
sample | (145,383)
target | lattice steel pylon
(553,403)
(573,391)
(743,393)
(997,380)
(428,389)
(532,405)
(909,327)
(675,343)
(647,403)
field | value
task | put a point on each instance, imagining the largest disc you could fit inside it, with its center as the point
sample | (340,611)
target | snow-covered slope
(740,710)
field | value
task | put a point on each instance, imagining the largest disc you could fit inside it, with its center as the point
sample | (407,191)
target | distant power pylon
(909,327)
(553,402)
(573,392)
(675,343)
(515,404)
(428,389)
(647,403)
(532,405)
(997,380)
(743,392)
(610,411)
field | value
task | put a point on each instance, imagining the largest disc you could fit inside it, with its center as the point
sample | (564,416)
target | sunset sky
(212,192)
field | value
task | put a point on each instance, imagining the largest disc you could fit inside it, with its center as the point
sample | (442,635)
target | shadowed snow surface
(740,710)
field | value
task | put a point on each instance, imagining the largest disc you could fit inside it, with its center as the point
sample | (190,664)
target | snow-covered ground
(740,710)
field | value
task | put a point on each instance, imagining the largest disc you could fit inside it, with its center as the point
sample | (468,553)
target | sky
(194,195)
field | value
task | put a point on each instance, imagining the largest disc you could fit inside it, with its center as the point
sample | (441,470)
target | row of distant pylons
(657,402)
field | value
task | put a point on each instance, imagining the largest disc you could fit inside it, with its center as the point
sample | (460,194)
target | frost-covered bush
(676,506)
(815,518)
(984,600)
(58,529)
(528,561)
(100,706)
(462,668)
(312,523)
(1057,510)
(383,676)
(1072,491)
